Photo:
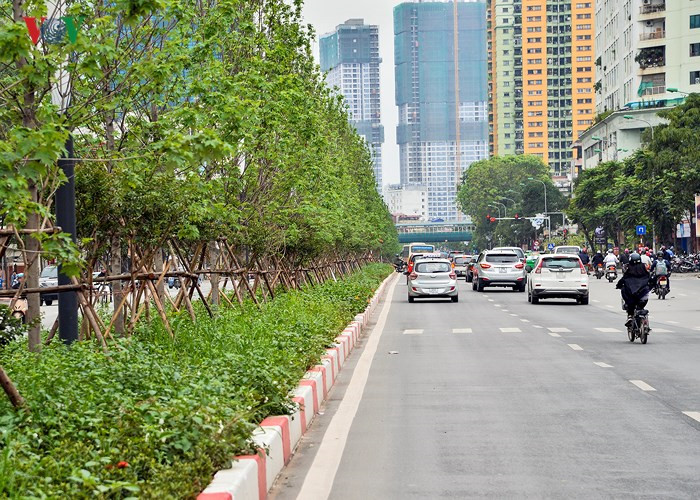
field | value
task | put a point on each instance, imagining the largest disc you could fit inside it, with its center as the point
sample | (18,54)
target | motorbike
(611,273)
(400,266)
(599,271)
(639,329)
(661,287)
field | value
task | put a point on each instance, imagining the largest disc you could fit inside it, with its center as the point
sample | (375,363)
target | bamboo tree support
(270,289)
(244,278)
(195,281)
(12,393)
(182,294)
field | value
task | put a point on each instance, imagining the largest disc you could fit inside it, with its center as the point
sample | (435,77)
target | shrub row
(159,416)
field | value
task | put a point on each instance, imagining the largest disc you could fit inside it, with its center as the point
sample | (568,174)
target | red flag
(34,28)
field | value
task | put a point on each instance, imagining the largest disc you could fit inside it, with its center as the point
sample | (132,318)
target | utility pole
(458,147)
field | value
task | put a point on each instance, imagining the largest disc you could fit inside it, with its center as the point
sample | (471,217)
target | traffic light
(517,217)
(493,219)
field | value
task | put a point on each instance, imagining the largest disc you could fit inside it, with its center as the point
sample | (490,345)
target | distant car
(432,277)
(570,250)
(48,278)
(499,268)
(531,259)
(517,250)
(460,263)
(558,276)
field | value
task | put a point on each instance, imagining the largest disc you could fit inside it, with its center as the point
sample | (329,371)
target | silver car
(499,268)
(460,262)
(432,277)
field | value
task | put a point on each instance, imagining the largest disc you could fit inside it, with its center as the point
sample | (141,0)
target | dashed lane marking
(682,295)
(661,330)
(608,305)
(497,305)
(414,331)
(696,328)
(559,330)
(491,300)
(601,364)
(596,301)
(552,334)
(536,326)
(609,330)
(673,322)
(513,314)
(461,330)
(525,320)
(510,330)
(575,347)
(695,415)
(642,385)
(505,310)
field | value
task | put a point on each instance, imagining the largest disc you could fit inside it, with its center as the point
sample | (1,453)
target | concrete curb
(251,476)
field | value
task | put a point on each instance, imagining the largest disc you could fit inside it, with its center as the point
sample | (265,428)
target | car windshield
(433,267)
(49,272)
(460,261)
(502,258)
(560,263)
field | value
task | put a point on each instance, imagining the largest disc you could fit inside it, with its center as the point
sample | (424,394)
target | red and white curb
(251,476)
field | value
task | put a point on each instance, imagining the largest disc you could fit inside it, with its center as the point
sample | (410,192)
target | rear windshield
(560,263)
(422,248)
(461,260)
(567,250)
(433,267)
(502,258)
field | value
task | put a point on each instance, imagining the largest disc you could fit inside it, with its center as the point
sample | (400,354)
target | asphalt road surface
(498,398)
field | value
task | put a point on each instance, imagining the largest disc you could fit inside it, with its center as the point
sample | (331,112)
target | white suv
(558,276)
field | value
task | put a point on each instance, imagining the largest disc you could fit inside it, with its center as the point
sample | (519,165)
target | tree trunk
(214,277)
(10,389)
(116,268)
(158,264)
(31,278)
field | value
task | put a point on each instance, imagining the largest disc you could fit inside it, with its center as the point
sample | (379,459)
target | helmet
(660,255)
(598,252)
(610,251)
(648,253)
(627,250)
(635,257)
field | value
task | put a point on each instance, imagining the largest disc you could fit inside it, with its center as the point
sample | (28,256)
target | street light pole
(549,223)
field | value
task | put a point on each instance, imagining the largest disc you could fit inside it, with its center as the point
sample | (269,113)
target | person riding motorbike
(399,263)
(661,267)
(634,286)
(646,259)
(597,259)
(583,255)
(625,257)
(610,259)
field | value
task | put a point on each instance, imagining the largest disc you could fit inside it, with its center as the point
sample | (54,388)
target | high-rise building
(350,56)
(541,71)
(440,70)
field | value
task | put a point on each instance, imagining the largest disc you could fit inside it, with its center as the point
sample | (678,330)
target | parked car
(48,278)
(499,268)
(558,276)
(517,250)
(460,264)
(432,277)
(570,250)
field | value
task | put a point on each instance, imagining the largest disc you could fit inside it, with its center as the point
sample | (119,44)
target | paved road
(494,397)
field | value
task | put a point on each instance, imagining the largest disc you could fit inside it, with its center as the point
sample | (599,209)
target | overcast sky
(325,15)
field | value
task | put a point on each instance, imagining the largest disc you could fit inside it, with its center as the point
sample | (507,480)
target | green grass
(174,411)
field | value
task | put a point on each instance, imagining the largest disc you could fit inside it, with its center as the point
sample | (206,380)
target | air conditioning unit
(649,24)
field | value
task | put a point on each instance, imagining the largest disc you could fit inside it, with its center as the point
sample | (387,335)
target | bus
(420,248)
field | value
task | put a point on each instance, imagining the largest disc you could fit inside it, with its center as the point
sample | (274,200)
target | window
(583,16)
(695,77)
(583,26)
(695,21)
(534,29)
(583,58)
(531,8)
(694,49)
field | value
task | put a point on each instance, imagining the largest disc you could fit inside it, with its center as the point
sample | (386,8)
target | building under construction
(441,94)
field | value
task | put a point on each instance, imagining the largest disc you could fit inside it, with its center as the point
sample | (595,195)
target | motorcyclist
(583,255)
(634,286)
(646,259)
(625,257)
(398,262)
(661,267)
(610,259)
(597,259)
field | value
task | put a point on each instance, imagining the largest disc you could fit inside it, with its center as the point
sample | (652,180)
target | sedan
(432,277)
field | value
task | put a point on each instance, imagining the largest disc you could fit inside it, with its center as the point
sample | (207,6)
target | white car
(557,276)
(569,250)
(432,277)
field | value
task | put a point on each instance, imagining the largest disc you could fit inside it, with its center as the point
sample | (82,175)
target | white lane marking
(559,330)
(491,300)
(609,330)
(513,314)
(461,330)
(672,322)
(661,330)
(486,296)
(642,385)
(497,305)
(505,310)
(695,415)
(682,295)
(552,334)
(415,331)
(608,305)
(319,480)
(696,328)
(536,326)
(525,320)
(510,330)
(601,364)
(597,301)
(575,347)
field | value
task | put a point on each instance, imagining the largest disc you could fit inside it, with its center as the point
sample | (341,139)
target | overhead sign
(641,230)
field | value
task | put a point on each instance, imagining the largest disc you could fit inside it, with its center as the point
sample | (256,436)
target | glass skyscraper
(441,94)
(350,56)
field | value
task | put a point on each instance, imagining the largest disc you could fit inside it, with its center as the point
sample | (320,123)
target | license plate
(434,291)
(503,270)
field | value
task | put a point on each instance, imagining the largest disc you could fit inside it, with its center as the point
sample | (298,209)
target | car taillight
(538,270)
(484,265)
(413,276)
(583,269)
(453,276)
(519,266)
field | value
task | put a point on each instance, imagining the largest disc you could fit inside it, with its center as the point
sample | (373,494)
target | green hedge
(159,417)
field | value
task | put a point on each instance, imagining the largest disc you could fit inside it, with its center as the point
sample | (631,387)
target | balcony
(652,57)
(652,8)
(657,34)
(655,90)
